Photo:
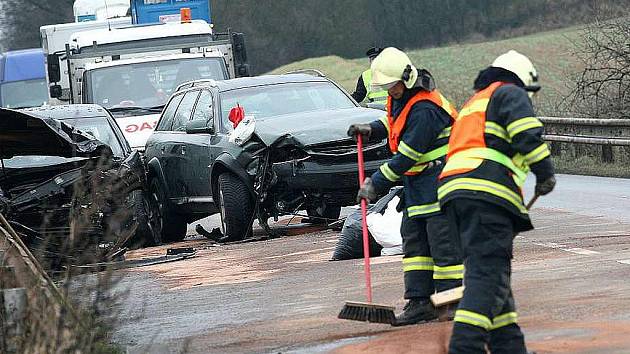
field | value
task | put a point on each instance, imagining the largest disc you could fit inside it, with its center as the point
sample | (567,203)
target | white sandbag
(392,251)
(385,228)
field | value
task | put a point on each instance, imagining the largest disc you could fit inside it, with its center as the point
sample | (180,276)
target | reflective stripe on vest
(396,126)
(467,148)
(482,185)
(372,95)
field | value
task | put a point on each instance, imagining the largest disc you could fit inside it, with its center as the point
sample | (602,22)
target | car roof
(233,84)
(70,111)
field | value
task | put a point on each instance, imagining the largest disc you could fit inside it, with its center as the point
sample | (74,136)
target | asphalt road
(570,280)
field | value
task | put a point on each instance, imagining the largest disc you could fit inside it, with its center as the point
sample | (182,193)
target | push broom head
(367,312)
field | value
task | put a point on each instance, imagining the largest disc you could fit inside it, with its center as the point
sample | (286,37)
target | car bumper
(340,181)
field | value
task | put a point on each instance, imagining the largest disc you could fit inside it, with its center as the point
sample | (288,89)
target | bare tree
(602,89)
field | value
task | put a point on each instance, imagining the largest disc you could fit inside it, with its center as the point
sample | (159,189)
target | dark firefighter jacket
(495,141)
(426,130)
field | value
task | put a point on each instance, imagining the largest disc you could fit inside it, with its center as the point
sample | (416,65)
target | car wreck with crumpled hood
(60,185)
(289,152)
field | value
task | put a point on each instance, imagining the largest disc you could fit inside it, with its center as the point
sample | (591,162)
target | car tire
(169,227)
(235,206)
(323,214)
(148,218)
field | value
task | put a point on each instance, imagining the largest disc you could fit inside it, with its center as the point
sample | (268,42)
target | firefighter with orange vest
(494,142)
(417,126)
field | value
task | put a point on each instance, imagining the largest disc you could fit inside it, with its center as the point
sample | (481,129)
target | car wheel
(323,213)
(149,221)
(168,225)
(235,206)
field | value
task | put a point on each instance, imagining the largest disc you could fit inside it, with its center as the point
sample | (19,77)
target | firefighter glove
(367,191)
(546,186)
(364,129)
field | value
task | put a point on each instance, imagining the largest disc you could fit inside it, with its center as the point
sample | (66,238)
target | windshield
(280,99)
(99,128)
(22,94)
(147,84)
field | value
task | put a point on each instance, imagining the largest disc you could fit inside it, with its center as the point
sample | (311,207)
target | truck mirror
(238,45)
(55,91)
(54,69)
(242,70)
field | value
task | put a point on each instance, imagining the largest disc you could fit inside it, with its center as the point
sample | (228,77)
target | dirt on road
(570,282)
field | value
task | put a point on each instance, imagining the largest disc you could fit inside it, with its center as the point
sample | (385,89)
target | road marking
(549,244)
(625,261)
(562,247)
(581,251)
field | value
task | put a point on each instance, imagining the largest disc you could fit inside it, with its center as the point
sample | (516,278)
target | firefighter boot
(416,311)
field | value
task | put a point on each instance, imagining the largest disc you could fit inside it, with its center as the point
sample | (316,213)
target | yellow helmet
(389,67)
(521,66)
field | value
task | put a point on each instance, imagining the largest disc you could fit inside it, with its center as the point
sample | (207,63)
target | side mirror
(56,91)
(242,70)
(240,51)
(199,126)
(54,69)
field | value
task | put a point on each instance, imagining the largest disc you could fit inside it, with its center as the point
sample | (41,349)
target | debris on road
(384,233)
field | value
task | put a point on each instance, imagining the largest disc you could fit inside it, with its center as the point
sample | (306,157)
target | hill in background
(455,67)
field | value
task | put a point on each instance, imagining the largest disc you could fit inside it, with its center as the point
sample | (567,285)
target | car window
(184,111)
(169,113)
(286,98)
(99,128)
(204,107)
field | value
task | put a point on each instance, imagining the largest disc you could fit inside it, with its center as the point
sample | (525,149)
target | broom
(366,311)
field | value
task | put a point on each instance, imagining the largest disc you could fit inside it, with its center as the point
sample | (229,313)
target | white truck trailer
(54,39)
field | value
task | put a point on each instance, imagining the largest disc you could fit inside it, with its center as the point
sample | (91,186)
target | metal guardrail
(611,132)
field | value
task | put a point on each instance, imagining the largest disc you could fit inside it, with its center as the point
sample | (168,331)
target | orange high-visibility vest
(468,138)
(397,125)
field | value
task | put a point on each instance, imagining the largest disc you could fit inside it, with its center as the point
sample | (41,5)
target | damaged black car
(256,148)
(66,172)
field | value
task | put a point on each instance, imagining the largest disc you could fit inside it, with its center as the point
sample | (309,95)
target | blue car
(23,79)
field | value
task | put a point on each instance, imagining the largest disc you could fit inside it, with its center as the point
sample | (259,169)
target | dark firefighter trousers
(486,316)
(431,262)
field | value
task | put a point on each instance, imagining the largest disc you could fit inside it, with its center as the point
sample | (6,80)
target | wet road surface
(571,281)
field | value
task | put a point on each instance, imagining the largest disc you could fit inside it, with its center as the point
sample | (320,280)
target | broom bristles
(368,312)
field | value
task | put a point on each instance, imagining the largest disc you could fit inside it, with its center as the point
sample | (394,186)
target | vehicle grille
(341,147)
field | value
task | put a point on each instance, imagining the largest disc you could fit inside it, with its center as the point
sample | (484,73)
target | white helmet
(390,66)
(521,66)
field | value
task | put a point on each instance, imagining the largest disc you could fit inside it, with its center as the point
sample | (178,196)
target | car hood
(312,128)
(24,134)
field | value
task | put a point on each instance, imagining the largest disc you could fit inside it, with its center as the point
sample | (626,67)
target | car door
(201,147)
(156,145)
(177,164)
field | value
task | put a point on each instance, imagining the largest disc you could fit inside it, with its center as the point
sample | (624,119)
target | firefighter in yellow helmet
(417,127)
(495,141)
(364,83)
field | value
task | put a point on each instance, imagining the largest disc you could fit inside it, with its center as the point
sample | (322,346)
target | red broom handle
(366,239)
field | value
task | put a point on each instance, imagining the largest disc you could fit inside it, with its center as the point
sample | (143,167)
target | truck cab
(132,71)
(23,79)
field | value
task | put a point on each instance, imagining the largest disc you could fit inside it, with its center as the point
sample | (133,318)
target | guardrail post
(607,154)
(556,149)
